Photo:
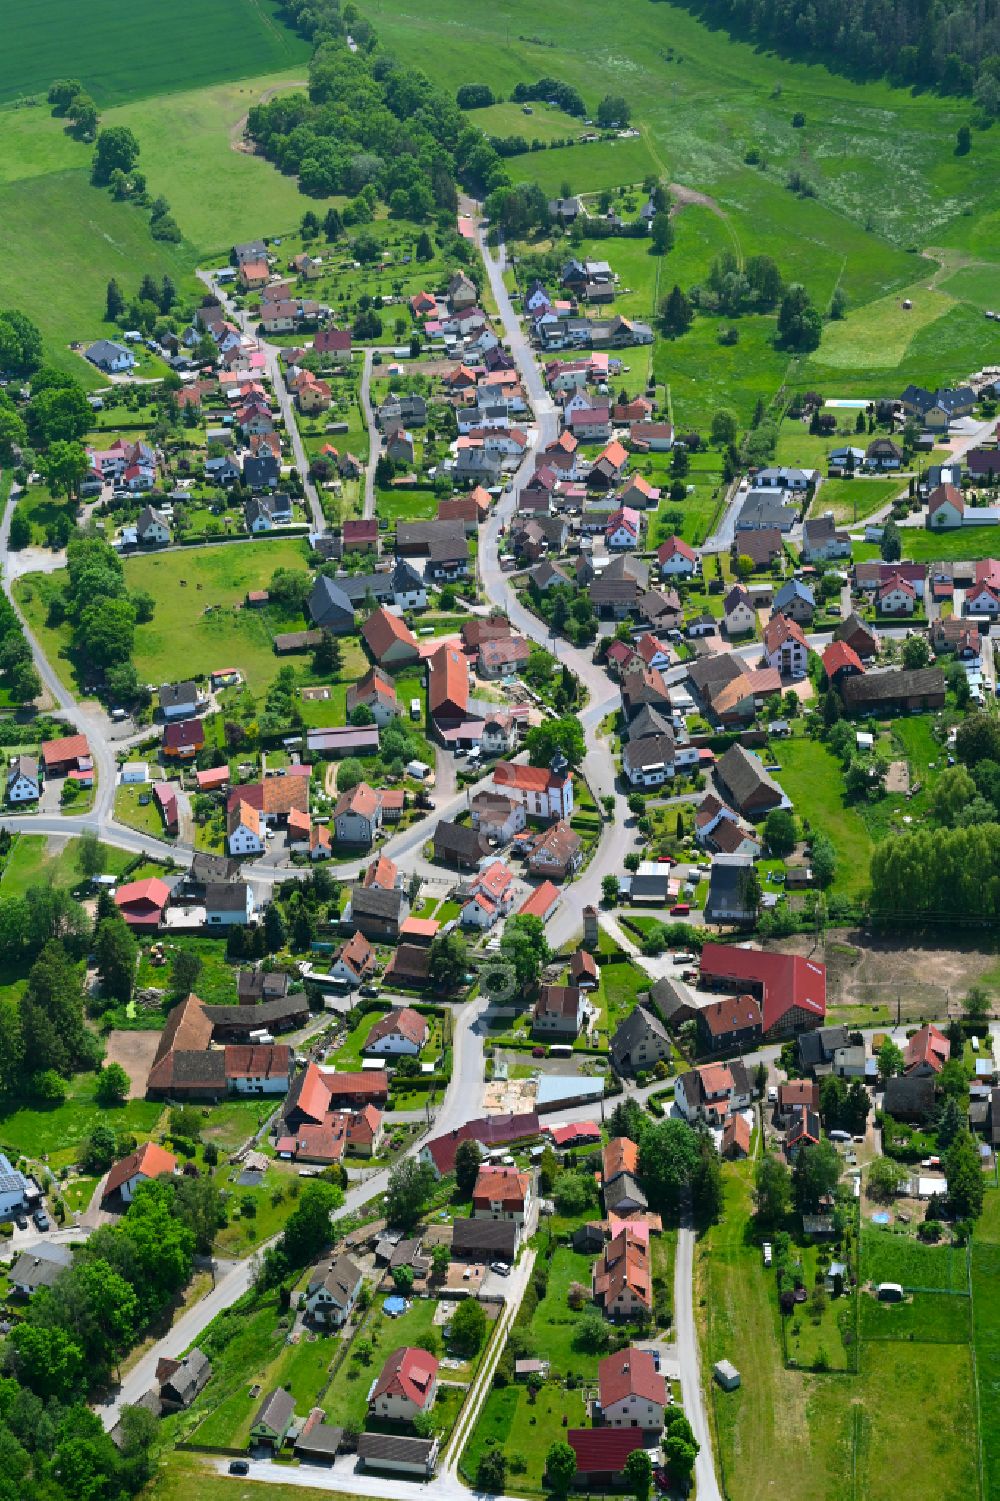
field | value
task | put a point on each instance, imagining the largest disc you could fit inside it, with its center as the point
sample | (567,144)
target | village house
(713,1092)
(631,1391)
(357,816)
(557,852)
(822,542)
(738,612)
(559,1010)
(751,790)
(729,1024)
(639,1042)
(332,1291)
(407,1386)
(622,1280)
(785,647)
(401,1033)
(502,1193)
(795,600)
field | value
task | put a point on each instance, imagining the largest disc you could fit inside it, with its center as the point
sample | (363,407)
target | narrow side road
(689,1360)
(365,400)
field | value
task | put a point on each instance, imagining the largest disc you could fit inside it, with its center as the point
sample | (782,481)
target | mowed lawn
(126,51)
(587,168)
(812,777)
(853,500)
(966,542)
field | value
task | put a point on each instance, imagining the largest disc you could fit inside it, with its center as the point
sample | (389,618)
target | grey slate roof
(743,775)
(640,1024)
(329,606)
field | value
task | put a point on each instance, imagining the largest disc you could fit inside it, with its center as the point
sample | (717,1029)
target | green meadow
(144,47)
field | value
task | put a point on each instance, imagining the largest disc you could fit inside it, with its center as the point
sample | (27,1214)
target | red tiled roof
(150,1160)
(787,980)
(408,1373)
(503,1185)
(621,1155)
(60,752)
(540,900)
(603,1450)
(383,630)
(630,1373)
(837,656)
(929,1046)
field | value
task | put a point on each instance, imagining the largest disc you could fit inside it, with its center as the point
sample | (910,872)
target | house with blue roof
(796,600)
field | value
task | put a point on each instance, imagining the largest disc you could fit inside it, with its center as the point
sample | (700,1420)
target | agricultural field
(126,52)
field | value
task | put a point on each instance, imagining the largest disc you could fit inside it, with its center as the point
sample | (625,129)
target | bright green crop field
(124,51)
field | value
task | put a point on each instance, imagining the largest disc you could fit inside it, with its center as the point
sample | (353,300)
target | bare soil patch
(922,979)
(898,777)
(135,1052)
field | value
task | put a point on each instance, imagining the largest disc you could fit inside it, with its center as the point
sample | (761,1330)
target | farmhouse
(790,989)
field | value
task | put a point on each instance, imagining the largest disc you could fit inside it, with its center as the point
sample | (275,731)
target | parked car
(21,1222)
(500,1267)
(369,991)
(41,1219)
(239,1467)
(680,910)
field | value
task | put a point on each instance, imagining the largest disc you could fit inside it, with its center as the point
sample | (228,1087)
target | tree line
(954,49)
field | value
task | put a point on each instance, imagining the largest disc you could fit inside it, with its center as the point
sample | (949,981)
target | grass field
(124,52)
(904,1425)
(185,586)
(545,123)
(58,1133)
(587,168)
(986,1335)
(901,1258)
(554,1326)
(935,1318)
(524,1430)
(812,777)
(966,542)
(65,293)
(218,195)
(38,861)
(888,185)
(852,500)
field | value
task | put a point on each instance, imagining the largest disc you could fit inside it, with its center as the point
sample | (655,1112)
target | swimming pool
(395,1306)
(881,1218)
(842,402)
